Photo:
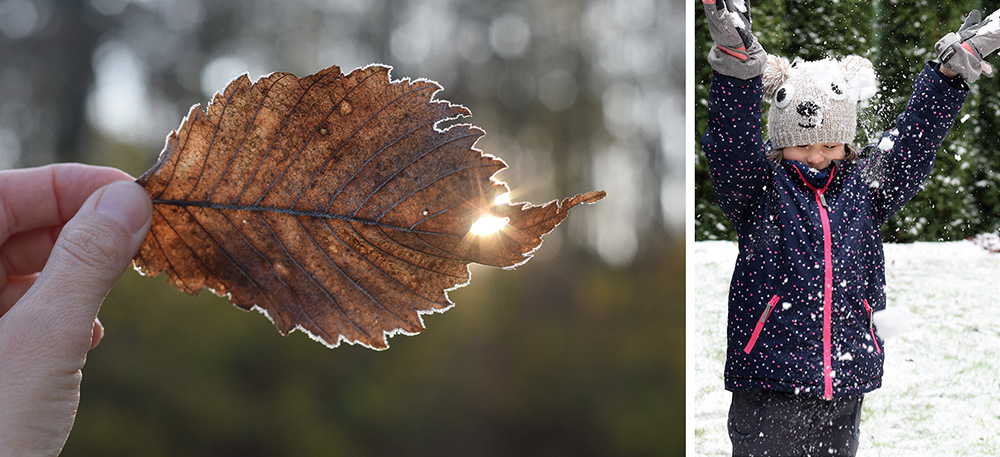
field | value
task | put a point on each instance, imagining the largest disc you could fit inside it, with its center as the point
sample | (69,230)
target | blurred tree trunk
(72,51)
(47,74)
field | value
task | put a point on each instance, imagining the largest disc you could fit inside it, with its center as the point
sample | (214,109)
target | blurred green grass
(563,356)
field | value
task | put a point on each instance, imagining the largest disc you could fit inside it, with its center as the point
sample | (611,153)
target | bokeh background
(579,352)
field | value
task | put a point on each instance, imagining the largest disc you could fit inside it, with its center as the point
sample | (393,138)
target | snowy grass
(941,391)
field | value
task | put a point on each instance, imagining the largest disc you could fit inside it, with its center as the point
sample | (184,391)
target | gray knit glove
(963,52)
(736,51)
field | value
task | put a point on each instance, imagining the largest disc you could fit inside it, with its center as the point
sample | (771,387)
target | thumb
(45,336)
(92,251)
(972,19)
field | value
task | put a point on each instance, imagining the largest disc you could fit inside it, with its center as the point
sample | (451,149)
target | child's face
(816,155)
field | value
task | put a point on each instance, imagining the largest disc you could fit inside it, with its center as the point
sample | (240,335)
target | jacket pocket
(760,323)
(871,324)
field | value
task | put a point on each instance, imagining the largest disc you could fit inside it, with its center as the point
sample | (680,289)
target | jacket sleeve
(904,157)
(733,145)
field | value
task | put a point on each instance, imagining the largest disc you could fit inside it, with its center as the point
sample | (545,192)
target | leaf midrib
(290,212)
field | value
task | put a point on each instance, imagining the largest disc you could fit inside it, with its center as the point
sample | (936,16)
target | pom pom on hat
(865,83)
(775,74)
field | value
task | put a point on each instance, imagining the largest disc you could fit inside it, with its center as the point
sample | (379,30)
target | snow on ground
(941,391)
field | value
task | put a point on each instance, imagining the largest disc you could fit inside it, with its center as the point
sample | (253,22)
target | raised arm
(734,146)
(733,142)
(904,157)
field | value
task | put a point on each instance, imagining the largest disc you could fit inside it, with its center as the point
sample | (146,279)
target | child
(802,346)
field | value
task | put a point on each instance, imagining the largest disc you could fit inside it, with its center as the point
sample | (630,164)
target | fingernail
(98,334)
(126,203)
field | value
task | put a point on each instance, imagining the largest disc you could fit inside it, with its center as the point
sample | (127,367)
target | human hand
(60,253)
(963,52)
(736,51)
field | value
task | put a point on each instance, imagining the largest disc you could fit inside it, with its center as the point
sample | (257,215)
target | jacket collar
(811,177)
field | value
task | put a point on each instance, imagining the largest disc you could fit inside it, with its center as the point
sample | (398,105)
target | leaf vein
(308,141)
(344,273)
(177,159)
(274,139)
(286,211)
(428,245)
(246,134)
(408,248)
(321,288)
(429,184)
(432,216)
(211,144)
(188,245)
(377,153)
(400,170)
(165,257)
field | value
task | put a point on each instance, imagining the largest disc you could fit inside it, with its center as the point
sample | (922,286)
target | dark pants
(779,424)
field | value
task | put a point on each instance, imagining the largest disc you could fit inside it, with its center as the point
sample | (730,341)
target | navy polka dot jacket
(810,270)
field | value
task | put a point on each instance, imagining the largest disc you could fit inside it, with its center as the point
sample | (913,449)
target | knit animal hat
(816,102)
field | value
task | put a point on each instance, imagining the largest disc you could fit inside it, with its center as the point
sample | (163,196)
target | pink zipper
(760,323)
(827,296)
(871,325)
(827,283)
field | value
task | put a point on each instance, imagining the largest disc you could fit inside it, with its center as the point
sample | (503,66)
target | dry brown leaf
(333,203)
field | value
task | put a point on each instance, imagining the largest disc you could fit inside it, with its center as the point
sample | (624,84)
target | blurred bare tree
(574,94)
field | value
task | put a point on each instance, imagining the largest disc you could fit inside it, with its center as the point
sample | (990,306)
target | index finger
(46,196)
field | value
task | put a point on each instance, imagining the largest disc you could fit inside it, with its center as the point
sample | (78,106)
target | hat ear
(776,72)
(861,73)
